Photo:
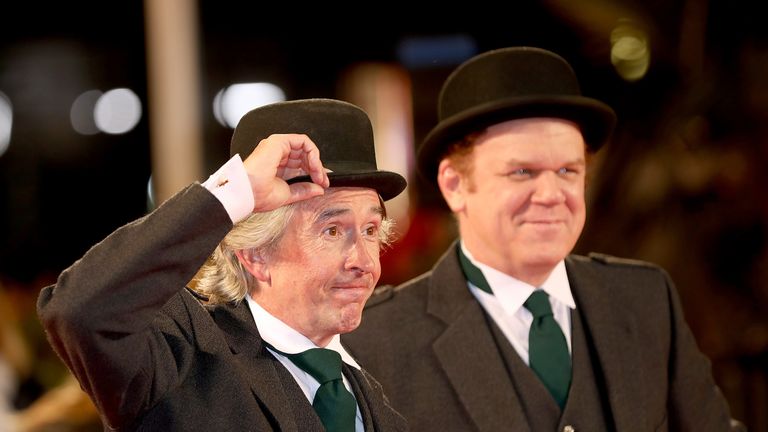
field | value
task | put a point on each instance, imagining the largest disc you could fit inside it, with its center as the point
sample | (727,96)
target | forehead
(536,125)
(353,199)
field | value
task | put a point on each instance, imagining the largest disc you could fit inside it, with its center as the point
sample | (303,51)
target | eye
(565,171)
(370,231)
(520,172)
(332,231)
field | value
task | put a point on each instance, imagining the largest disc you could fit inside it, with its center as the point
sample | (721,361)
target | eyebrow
(518,162)
(334,212)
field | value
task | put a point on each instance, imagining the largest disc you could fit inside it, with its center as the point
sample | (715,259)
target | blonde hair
(223,278)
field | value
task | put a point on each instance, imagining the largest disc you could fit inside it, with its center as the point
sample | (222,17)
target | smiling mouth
(350,287)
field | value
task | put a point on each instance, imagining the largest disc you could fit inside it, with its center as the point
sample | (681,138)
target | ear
(450,183)
(253,261)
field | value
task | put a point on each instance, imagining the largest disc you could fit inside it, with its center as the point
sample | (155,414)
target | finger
(316,170)
(304,190)
(304,153)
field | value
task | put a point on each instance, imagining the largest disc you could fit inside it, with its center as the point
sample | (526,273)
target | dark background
(682,184)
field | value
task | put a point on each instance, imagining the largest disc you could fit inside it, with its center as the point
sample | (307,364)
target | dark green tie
(333,403)
(473,274)
(547,349)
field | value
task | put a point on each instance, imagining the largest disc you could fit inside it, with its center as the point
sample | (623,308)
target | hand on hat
(280,157)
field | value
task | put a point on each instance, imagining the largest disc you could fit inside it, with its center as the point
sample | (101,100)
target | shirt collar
(514,292)
(284,338)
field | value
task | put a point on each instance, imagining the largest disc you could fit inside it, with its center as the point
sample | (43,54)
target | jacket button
(568,428)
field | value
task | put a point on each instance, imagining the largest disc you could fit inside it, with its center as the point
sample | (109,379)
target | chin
(546,260)
(349,318)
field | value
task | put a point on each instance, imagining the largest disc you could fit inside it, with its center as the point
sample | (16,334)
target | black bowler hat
(340,130)
(508,84)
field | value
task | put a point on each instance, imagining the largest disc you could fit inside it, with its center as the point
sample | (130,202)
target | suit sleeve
(101,313)
(695,402)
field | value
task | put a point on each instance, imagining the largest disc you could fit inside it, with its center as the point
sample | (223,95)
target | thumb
(304,190)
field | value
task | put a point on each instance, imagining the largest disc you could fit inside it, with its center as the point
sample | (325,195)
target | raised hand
(280,157)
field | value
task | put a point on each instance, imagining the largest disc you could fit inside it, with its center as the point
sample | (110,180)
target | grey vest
(587,408)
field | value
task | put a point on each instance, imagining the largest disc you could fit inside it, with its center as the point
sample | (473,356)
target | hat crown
(341,131)
(503,74)
(508,84)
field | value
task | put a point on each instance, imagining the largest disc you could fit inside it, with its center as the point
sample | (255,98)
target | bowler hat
(508,84)
(341,131)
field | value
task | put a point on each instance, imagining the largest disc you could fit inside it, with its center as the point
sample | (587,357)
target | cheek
(575,199)
(509,200)
(374,251)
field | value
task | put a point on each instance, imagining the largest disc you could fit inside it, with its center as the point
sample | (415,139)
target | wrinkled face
(326,265)
(521,205)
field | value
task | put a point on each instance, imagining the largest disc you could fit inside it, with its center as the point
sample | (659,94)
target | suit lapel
(490,400)
(614,335)
(362,394)
(254,361)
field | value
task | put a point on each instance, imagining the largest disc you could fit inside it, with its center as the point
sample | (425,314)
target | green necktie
(547,349)
(333,403)
(473,274)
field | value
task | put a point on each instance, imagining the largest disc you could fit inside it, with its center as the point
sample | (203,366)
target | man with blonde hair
(288,240)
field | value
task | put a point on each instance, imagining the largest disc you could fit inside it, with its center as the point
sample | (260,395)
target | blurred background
(108,108)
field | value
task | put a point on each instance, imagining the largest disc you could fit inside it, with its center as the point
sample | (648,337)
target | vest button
(568,428)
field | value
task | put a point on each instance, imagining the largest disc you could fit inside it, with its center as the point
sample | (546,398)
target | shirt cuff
(230,185)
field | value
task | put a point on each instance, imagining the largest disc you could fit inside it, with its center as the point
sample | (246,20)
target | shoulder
(610,260)
(445,271)
(405,292)
(610,263)
(619,275)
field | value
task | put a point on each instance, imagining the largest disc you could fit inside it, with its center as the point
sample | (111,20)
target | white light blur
(117,111)
(150,195)
(6,122)
(81,115)
(233,102)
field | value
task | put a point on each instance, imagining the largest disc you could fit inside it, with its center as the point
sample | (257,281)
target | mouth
(357,293)
(351,287)
(543,222)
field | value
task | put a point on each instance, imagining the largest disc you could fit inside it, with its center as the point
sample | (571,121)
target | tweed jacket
(153,358)
(428,343)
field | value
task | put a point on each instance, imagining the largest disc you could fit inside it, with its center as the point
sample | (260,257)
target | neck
(534,275)
(305,327)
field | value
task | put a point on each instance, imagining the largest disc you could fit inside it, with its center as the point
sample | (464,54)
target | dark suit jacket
(427,341)
(153,358)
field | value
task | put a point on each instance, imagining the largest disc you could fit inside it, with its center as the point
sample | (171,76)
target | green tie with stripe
(547,349)
(333,403)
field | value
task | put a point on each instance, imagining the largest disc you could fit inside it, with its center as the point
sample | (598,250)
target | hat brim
(386,183)
(595,119)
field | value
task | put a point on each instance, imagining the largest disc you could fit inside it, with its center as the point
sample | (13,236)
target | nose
(547,189)
(360,258)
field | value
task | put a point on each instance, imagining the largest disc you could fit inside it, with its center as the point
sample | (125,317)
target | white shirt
(286,339)
(505,305)
(230,185)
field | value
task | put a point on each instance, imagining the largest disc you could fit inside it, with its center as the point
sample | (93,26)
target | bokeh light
(117,111)
(6,122)
(233,102)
